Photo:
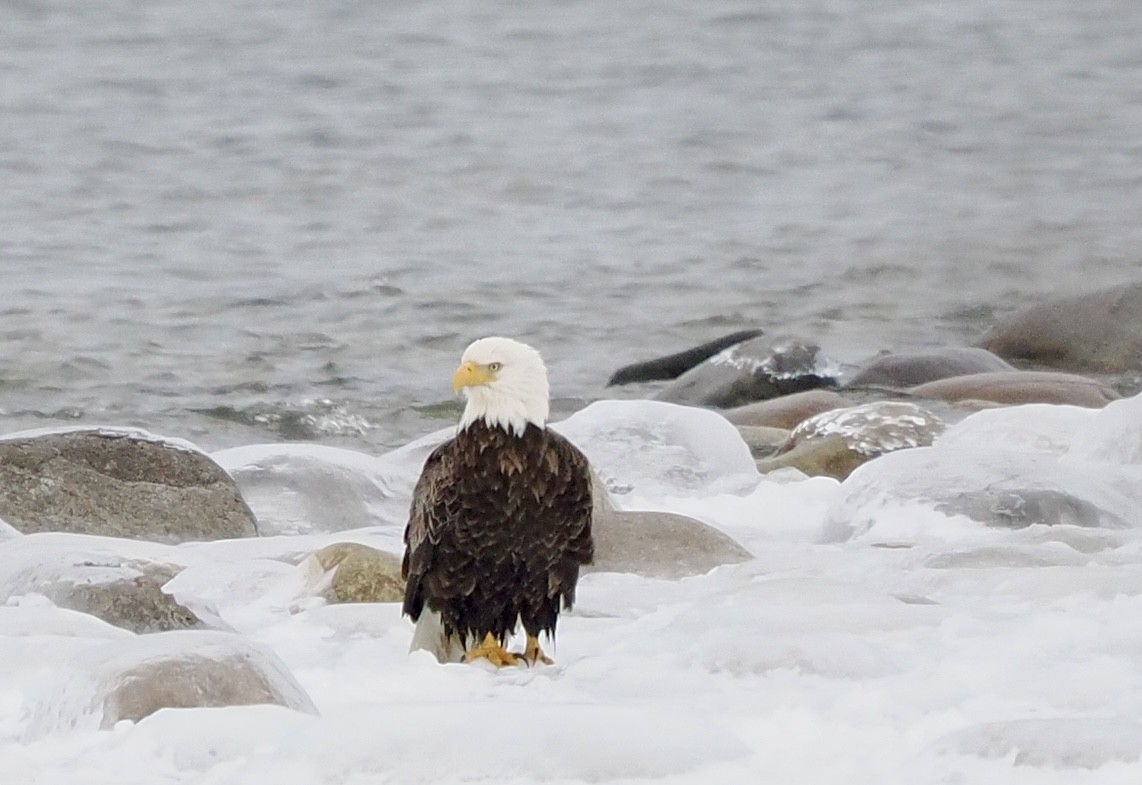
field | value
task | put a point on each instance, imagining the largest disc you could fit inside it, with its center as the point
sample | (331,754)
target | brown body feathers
(499,527)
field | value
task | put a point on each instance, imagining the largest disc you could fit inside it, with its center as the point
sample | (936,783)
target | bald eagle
(500,520)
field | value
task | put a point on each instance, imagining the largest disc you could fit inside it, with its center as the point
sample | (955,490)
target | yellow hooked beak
(470,374)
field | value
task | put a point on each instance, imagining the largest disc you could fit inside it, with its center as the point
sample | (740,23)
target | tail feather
(429,636)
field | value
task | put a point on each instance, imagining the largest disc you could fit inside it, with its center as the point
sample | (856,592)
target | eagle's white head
(505,382)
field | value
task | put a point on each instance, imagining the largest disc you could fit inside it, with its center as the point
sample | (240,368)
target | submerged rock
(132,678)
(834,443)
(786,412)
(358,573)
(913,368)
(1097,332)
(674,365)
(751,371)
(1014,387)
(120,483)
(123,590)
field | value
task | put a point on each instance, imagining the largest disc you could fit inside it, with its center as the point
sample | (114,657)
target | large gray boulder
(908,369)
(1017,387)
(119,483)
(753,370)
(656,544)
(1097,332)
(786,412)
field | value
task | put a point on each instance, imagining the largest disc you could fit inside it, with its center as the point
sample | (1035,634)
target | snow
(880,634)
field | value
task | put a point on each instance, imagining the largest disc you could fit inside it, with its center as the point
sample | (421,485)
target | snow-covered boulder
(131,678)
(118,581)
(655,447)
(310,488)
(1002,488)
(835,442)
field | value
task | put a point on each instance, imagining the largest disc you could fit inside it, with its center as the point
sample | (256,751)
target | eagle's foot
(533,654)
(491,650)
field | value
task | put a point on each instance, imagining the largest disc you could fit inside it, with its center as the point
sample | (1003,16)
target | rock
(763,442)
(1015,387)
(120,483)
(786,412)
(656,544)
(8,532)
(360,573)
(911,369)
(312,488)
(129,679)
(123,590)
(674,365)
(649,448)
(997,488)
(750,371)
(660,545)
(1098,332)
(834,443)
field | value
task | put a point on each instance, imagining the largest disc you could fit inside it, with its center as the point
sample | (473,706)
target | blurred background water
(245,221)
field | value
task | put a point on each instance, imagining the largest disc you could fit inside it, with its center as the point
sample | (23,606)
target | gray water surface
(246,221)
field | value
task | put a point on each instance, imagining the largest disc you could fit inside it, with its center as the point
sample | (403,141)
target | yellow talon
(533,654)
(491,650)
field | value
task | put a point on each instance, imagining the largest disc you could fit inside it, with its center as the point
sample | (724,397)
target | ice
(653,447)
(1065,742)
(1037,427)
(1113,436)
(307,488)
(98,684)
(995,487)
(886,630)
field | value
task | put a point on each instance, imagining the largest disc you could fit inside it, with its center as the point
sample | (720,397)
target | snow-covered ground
(876,637)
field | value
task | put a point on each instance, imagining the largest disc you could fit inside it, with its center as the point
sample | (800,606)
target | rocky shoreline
(111,526)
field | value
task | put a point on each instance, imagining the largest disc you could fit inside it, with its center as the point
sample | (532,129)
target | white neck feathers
(510,409)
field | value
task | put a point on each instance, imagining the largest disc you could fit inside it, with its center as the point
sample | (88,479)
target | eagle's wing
(432,497)
(571,507)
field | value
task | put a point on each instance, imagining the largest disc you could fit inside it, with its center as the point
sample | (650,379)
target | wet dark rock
(674,365)
(119,483)
(911,369)
(751,371)
(1097,332)
(1016,387)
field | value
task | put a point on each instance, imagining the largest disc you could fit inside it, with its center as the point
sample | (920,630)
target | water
(249,221)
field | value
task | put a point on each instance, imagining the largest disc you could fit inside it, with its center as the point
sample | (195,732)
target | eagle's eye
(494,367)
